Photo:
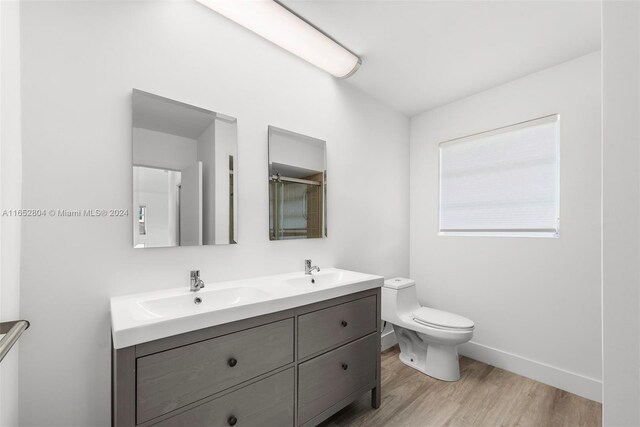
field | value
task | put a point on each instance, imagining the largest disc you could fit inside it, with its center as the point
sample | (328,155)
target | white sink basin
(206,300)
(322,279)
(146,317)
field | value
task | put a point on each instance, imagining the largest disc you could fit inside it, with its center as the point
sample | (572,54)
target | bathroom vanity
(310,350)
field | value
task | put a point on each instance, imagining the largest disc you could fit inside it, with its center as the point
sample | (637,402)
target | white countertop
(150,316)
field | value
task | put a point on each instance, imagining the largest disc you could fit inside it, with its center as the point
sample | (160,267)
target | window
(504,182)
(142,220)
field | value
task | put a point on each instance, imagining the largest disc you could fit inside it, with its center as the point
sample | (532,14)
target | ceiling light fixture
(281,26)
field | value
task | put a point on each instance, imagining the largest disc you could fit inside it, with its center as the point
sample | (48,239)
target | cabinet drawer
(327,379)
(266,403)
(171,379)
(323,329)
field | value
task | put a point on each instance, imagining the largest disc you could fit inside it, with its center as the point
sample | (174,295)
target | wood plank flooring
(484,396)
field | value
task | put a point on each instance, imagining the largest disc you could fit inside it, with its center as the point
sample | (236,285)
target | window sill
(544,234)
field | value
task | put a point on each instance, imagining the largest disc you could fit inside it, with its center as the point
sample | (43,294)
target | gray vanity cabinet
(340,324)
(328,379)
(171,379)
(292,368)
(264,403)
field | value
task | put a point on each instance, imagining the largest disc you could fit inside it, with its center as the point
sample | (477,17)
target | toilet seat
(442,320)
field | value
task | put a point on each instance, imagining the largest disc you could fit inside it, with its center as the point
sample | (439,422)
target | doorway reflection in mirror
(183,174)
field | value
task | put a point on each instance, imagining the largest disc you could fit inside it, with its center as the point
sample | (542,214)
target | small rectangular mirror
(184,177)
(297,186)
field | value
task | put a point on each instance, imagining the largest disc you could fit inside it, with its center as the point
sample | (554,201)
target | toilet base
(436,360)
(442,365)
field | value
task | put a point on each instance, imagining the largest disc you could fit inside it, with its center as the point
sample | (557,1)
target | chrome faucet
(196,282)
(308,269)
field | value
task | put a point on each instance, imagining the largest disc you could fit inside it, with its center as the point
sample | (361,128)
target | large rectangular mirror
(184,174)
(297,186)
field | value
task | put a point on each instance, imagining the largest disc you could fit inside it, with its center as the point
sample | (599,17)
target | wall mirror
(184,174)
(297,186)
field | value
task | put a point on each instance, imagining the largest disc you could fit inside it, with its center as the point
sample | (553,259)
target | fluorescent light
(282,27)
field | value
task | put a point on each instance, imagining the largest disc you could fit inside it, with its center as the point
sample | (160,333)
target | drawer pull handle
(232,362)
(345,366)
(232,420)
(344,324)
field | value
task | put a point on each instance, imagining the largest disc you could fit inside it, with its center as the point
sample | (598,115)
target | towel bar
(11,331)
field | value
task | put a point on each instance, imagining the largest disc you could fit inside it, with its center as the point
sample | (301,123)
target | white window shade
(503,182)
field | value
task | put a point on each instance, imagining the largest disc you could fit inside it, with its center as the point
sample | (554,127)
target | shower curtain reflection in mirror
(297,186)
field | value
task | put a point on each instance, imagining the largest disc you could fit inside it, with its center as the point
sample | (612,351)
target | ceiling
(417,55)
(164,115)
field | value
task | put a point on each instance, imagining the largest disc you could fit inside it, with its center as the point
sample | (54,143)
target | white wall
(174,179)
(226,145)
(10,198)
(207,155)
(621,213)
(80,61)
(535,301)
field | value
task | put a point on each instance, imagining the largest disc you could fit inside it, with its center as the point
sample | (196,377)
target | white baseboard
(589,388)
(388,338)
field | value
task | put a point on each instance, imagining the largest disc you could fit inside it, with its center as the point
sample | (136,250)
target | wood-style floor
(484,396)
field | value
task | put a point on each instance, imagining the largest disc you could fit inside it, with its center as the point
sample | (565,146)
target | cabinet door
(327,379)
(171,379)
(266,403)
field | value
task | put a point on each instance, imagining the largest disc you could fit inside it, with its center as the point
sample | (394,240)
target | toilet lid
(441,319)
(398,283)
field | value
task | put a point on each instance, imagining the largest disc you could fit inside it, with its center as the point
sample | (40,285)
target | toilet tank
(399,283)
(398,297)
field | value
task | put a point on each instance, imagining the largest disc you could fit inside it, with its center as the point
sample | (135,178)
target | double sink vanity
(285,350)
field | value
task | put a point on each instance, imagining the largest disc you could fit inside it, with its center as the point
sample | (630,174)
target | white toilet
(428,338)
